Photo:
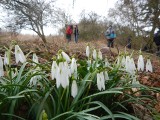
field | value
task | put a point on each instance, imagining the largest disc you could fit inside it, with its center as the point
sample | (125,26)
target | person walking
(129,41)
(110,36)
(69,32)
(156,39)
(76,33)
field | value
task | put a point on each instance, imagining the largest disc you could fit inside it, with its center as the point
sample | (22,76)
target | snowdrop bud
(132,64)
(74,89)
(87,51)
(53,70)
(35,58)
(140,63)
(6,58)
(1,67)
(66,57)
(100,55)
(149,66)
(94,54)
(19,55)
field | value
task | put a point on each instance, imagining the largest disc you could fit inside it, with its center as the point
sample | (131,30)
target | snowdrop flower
(58,76)
(87,51)
(100,81)
(100,55)
(127,63)
(94,54)
(132,66)
(74,89)
(53,70)
(35,58)
(140,63)
(66,57)
(1,67)
(6,58)
(62,75)
(74,68)
(149,66)
(19,55)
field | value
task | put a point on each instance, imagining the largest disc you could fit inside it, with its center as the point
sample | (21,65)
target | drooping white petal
(100,55)
(99,82)
(74,89)
(127,64)
(102,81)
(19,55)
(87,51)
(140,63)
(1,67)
(132,66)
(66,57)
(94,54)
(149,67)
(6,58)
(53,70)
(58,77)
(35,58)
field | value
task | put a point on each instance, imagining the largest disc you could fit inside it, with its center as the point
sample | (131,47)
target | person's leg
(109,42)
(112,43)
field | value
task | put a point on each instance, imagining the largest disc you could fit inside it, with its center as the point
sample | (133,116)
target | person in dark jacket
(129,41)
(76,33)
(156,39)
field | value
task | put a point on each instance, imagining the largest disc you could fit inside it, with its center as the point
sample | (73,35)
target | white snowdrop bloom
(58,77)
(132,65)
(66,57)
(100,81)
(64,74)
(127,64)
(1,67)
(73,65)
(94,54)
(140,65)
(74,89)
(35,58)
(6,58)
(149,66)
(106,75)
(100,55)
(87,51)
(19,55)
(53,70)
(74,68)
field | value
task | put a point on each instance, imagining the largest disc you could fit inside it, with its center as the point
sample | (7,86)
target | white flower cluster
(62,72)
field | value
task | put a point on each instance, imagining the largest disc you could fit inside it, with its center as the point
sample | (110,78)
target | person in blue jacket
(110,36)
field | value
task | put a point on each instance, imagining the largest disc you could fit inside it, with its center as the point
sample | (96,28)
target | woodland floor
(55,43)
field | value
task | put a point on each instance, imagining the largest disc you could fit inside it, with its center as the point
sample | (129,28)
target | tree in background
(33,14)
(139,16)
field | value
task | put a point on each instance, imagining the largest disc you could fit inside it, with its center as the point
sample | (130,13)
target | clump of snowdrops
(66,88)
